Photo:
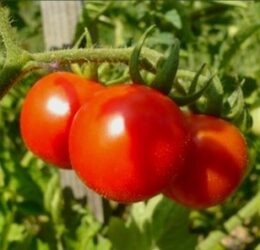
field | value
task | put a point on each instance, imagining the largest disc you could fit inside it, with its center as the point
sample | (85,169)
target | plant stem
(15,57)
(11,71)
(246,212)
(98,55)
(18,62)
(7,34)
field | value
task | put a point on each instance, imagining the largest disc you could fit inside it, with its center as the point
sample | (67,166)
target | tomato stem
(18,62)
(8,35)
(98,55)
(232,223)
(15,57)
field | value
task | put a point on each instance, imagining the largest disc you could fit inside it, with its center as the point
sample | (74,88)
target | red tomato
(215,165)
(47,113)
(127,142)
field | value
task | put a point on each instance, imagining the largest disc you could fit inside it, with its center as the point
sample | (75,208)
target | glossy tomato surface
(47,113)
(215,164)
(127,142)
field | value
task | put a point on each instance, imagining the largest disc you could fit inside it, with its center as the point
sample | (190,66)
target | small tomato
(127,142)
(216,162)
(47,113)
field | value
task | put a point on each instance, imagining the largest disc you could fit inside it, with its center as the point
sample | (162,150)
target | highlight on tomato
(47,113)
(215,164)
(127,143)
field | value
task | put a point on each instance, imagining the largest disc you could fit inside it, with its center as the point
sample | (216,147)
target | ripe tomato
(47,113)
(127,142)
(215,164)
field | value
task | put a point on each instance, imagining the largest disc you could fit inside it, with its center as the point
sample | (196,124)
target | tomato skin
(127,142)
(47,113)
(215,163)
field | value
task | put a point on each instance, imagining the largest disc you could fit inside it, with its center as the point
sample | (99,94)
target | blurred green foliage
(37,214)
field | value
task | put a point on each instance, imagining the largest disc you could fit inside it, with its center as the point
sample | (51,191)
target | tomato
(215,164)
(127,142)
(47,113)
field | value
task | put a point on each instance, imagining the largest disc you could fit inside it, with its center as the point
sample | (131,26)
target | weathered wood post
(59,20)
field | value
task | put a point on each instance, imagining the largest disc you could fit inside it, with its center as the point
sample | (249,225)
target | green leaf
(157,224)
(167,69)
(56,206)
(240,4)
(103,244)
(86,232)
(191,98)
(234,104)
(164,38)
(41,245)
(194,82)
(236,42)
(16,232)
(170,227)
(122,237)
(214,97)
(173,17)
(134,59)
(244,121)
(50,191)
(22,182)
(142,212)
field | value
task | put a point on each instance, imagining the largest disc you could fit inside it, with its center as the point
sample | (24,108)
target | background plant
(35,213)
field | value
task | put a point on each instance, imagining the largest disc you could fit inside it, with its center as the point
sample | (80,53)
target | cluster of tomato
(129,142)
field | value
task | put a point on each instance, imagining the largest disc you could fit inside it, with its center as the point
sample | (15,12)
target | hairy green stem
(19,62)
(15,57)
(98,55)
(7,34)
(11,71)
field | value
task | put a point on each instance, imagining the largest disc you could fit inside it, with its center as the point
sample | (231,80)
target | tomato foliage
(36,213)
